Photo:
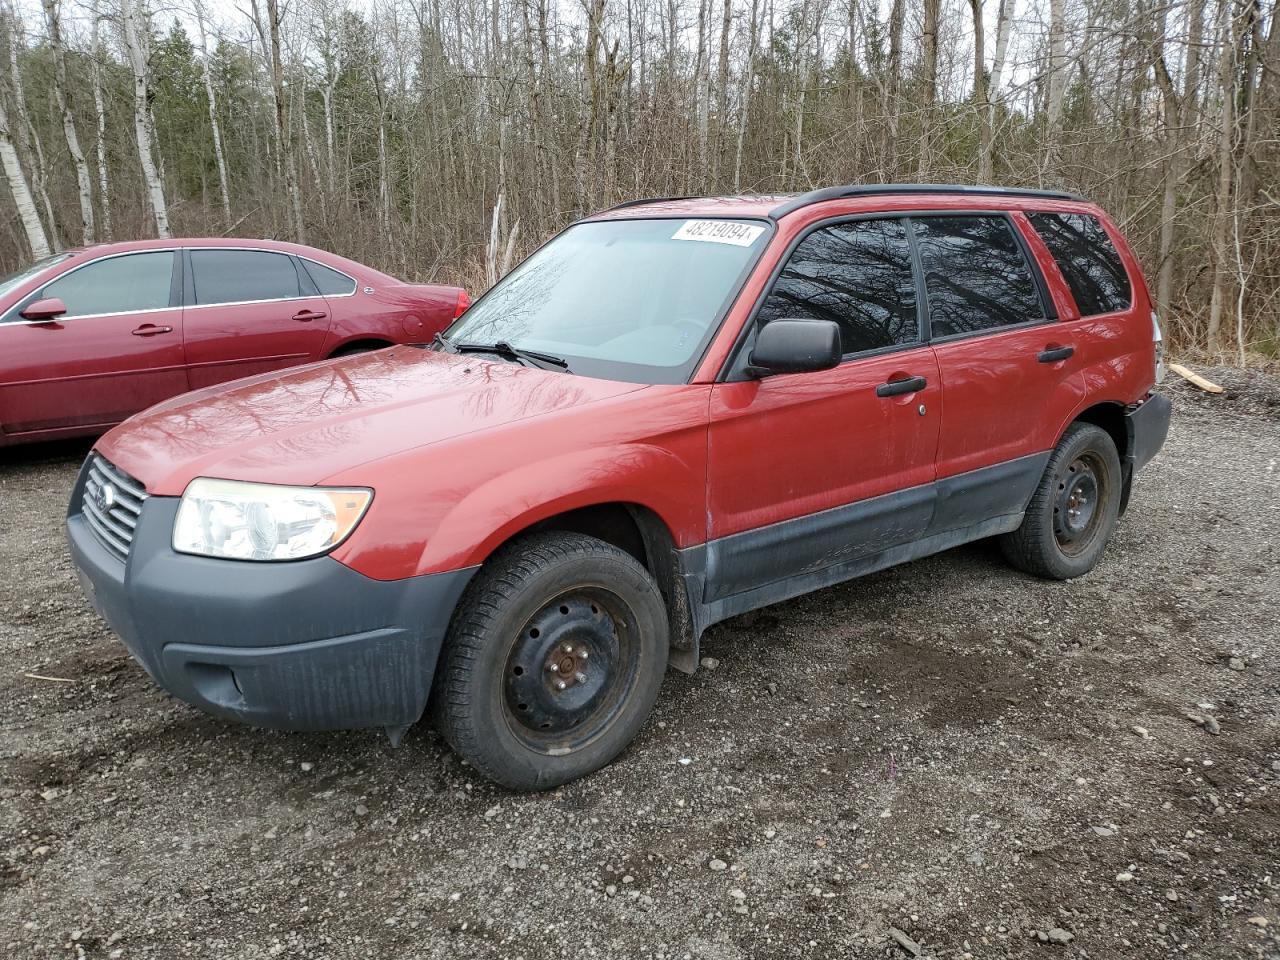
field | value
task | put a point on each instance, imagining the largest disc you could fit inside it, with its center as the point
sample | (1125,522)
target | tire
(553,660)
(354,349)
(1061,537)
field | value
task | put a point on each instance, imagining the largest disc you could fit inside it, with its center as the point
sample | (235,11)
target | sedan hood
(307,424)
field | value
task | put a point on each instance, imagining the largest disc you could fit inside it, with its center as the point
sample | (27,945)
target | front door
(813,471)
(248,312)
(116,350)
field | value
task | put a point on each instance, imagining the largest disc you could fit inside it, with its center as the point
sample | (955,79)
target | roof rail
(643,200)
(880,189)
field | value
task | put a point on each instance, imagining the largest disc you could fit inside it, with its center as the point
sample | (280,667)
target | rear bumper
(304,645)
(1146,426)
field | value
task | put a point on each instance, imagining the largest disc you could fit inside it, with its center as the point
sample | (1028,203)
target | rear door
(117,349)
(1008,367)
(249,311)
(812,471)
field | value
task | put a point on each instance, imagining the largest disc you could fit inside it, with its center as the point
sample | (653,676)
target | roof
(278,246)
(777,206)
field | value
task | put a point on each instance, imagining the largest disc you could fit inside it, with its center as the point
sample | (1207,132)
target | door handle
(895,388)
(306,316)
(1054,354)
(150,330)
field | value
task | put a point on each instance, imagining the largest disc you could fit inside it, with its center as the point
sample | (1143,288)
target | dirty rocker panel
(755,568)
(794,556)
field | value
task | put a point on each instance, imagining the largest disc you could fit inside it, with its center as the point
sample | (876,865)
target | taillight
(1158,337)
(461,306)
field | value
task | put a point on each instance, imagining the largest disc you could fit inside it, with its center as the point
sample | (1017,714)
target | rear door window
(243,276)
(857,274)
(124,284)
(976,275)
(1088,261)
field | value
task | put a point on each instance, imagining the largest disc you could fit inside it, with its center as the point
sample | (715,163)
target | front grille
(111,504)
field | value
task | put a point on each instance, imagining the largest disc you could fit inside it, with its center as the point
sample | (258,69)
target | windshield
(18,277)
(633,300)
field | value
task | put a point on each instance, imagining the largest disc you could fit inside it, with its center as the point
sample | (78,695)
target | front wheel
(1074,509)
(553,661)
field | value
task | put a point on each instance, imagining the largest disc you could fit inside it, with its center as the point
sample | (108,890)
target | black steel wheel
(571,669)
(1073,510)
(553,660)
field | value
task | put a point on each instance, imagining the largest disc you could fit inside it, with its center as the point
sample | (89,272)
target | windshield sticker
(719,231)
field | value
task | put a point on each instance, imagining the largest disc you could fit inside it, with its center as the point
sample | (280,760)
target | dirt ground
(947,758)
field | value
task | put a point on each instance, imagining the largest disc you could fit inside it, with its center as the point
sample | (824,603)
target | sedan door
(249,311)
(116,350)
(811,472)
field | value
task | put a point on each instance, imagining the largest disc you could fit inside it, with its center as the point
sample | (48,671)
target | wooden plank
(1208,386)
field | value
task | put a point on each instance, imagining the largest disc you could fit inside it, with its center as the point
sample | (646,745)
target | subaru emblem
(105,497)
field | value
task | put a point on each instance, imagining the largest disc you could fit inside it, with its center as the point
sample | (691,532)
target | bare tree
(224,191)
(100,112)
(62,96)
(20,190)
(137,40)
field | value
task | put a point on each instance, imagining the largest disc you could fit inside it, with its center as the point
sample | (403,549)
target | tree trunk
(722,88)
(220,159)
(100,110)
(37,242)
(24,137)
(981,94)
(1223,214)
(744,105)
(284,132)
(62,96)
(1056,90)
(137,39)
(929,96)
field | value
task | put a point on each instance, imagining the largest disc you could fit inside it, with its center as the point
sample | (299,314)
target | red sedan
(89,337)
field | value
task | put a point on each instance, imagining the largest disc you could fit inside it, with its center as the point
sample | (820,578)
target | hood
(309,423)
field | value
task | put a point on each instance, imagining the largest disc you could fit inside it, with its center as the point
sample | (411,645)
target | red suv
(88,337)
(674,412)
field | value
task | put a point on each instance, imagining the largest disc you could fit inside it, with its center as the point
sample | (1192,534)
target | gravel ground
(945,759)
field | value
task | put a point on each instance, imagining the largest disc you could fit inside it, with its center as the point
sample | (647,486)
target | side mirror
(795,346)
(44,309)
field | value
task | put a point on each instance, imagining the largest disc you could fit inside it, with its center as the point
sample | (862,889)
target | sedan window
(241,276)
(124,284)
(328,281)
(19,277)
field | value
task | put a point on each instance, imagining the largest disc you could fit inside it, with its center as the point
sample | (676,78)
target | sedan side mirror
(44,309)
(795,346)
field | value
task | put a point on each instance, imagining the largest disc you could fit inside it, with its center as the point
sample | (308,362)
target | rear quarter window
(1088,261)
(328,281)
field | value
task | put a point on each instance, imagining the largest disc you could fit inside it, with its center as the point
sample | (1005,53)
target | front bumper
(302,645)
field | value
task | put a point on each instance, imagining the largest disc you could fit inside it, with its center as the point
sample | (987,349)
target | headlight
(263,521)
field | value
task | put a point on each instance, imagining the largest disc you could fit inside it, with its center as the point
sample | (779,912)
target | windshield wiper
(505,350)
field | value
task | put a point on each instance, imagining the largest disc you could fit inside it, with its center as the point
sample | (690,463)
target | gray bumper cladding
(1147,426)
(302,645)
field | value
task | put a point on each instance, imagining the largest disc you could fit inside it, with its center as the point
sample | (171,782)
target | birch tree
(20,190)
(62,96)
(136,22)
(100,113)
(224,192)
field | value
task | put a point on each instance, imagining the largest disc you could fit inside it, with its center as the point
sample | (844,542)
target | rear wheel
(364,346)
(553,661)
(1074,509)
